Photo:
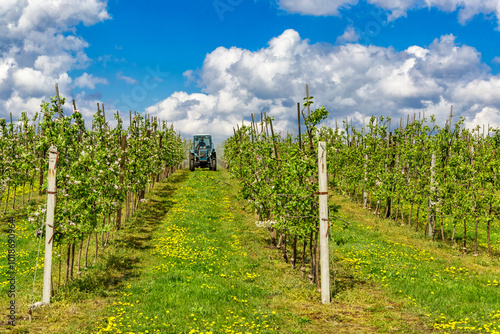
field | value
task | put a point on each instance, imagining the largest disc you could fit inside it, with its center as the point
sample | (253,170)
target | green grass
(456,293)
(198,277)
(88,292)
(191,260)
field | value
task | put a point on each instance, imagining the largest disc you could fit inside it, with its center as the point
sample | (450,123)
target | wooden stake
(298,119)
(308,106)
(58,101)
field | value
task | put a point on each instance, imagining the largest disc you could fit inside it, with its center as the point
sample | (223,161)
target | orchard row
(101,171)
(441,180)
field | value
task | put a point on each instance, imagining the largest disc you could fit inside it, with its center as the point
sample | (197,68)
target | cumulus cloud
(350,35)
(351,80)
(38,15)
(487,117)
(89,81)
(467,9)
(39,46)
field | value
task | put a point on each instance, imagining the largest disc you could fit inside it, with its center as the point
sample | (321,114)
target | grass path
(197,277)
(445,290)
(191,260)
(210,270)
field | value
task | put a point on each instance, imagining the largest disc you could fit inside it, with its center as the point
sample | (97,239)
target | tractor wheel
(214,165)
(191,162)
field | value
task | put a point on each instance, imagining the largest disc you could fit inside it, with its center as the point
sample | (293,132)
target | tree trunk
(272,233)
(68,260)
(80,257)
(475,237)
(442,228)
(488,231)
(280,241)
(7,198)
(409,216)
(87,251)
(316,262)
(397,211)
(14,198)
(72,259)
(142,194)
(96,246)
(465,237)
(31,186)
(285,255)
(40,183)
(453,235)
(60,264)
(313,258)
(118,218)
(388,208)
(418,213)
(107,232)
(488,235)
(127,206)
(304,247)
(433,227)
(102,233)
(402,215)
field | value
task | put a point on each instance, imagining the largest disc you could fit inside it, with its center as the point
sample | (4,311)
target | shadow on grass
(121,258)
(101,280)
(139,228)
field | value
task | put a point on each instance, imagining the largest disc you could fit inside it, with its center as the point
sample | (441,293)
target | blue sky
(206,65)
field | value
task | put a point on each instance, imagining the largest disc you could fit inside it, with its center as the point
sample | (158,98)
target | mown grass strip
(192,261)
(455,293)
(198,278)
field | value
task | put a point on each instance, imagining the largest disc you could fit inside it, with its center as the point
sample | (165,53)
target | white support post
(323,224)
(49,225)
(365,192)
(431,204)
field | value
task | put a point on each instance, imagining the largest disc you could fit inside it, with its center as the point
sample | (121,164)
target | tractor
(203,153)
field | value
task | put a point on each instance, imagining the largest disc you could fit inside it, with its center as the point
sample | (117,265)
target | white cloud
(30,81)
(190,76)
(467,9)
(38,15)
(351,80)
(315,7)
(54,64)
(38,48)
(488,116)
(485,90)
(350,35)
(89,81)
(128,80)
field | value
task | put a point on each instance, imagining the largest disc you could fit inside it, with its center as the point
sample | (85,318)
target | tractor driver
(201,143)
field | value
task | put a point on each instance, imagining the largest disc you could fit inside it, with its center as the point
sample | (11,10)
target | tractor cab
(202,141)
(203,153)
